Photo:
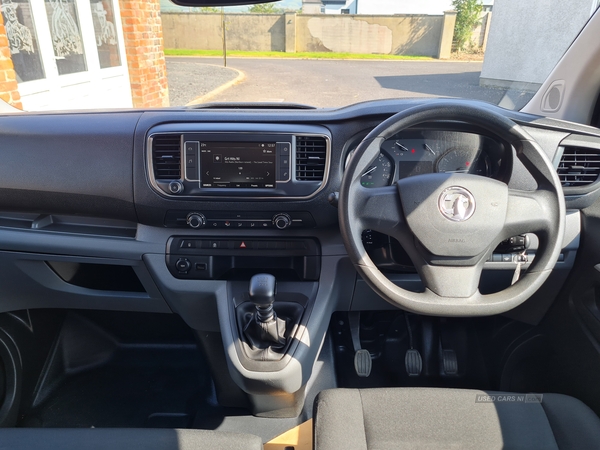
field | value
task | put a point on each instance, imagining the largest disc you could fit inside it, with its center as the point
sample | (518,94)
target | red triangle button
(243,245)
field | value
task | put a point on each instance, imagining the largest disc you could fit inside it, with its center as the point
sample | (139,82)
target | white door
(68,54)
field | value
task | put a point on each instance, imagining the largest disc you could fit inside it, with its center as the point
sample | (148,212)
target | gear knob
(262,293)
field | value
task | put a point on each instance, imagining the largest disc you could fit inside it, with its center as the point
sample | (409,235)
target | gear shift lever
(265,329)
(262,294)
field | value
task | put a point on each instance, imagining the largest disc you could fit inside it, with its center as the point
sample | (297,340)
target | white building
(70,54)
(385,7)
(527,39)
(382,7)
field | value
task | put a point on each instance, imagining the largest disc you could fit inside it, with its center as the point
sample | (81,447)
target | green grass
(302,55)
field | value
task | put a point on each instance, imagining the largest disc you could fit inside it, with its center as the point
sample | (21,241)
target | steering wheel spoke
(529,212)
(379,209)
(451,281)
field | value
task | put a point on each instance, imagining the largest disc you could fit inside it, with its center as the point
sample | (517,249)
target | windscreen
(91,54)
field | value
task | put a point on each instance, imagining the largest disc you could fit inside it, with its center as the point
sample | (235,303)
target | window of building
(22,40)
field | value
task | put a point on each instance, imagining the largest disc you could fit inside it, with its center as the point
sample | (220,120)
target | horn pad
(456,215)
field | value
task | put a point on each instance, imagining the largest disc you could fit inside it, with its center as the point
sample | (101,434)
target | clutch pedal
(413,362)
(363,363)
(362,358)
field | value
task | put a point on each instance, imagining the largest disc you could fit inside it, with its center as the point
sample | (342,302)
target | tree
(468,16)
(207,9)
(265,8)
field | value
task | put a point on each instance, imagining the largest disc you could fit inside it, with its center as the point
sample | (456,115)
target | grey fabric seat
(124,439)
(429,418)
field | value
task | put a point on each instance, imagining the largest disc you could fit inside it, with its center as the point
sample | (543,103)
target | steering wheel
(449,223)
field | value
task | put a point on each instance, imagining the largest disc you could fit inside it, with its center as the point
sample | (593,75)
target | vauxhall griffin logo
(456,204)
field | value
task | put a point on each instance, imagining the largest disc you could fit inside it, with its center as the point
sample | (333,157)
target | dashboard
(86,190)
(172,211)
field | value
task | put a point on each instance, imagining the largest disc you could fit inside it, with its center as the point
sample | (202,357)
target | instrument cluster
(416,152)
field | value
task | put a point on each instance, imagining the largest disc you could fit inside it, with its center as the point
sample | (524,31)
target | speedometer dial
(379,174)
(459,160)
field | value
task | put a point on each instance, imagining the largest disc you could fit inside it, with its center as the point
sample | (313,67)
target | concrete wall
(527,38)
(399,35)
(255,32)
(481,32)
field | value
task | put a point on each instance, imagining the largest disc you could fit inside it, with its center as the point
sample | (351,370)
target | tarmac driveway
(330,83)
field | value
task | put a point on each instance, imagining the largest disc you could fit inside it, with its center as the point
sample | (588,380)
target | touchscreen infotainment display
(237,164)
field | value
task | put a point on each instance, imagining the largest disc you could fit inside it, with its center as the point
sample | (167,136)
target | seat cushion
(123,439)
(430,418)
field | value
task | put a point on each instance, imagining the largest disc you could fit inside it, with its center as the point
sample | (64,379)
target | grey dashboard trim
(237,129)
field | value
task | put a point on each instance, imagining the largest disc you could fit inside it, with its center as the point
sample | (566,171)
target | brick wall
(9,91)
(142,29)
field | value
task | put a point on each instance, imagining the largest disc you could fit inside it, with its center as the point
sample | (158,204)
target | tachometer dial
(379,174)
(459,160)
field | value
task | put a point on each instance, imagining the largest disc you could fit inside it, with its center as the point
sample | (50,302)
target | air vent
(166,156)
(579,166)
(311,157)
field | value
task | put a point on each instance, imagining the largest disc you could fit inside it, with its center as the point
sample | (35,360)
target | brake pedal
(449,362)
(448,356)
(413,362)
(362,358)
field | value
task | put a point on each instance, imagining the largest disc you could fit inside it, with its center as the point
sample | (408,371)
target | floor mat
(140,387)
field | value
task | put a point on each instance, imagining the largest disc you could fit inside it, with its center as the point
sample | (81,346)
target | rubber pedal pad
(413,362)
(363,363)
(449,362)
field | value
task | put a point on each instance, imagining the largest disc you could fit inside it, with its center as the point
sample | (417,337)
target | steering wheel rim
(448,260)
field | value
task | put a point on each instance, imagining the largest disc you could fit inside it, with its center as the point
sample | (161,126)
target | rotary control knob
(183,265)
(176,187)
(196,220)
(282,221)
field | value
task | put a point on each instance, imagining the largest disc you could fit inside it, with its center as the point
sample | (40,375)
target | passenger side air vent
(166,156)
(579,166)
(311,158)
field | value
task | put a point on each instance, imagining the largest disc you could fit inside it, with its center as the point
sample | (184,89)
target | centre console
(270,286)
(193,258)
